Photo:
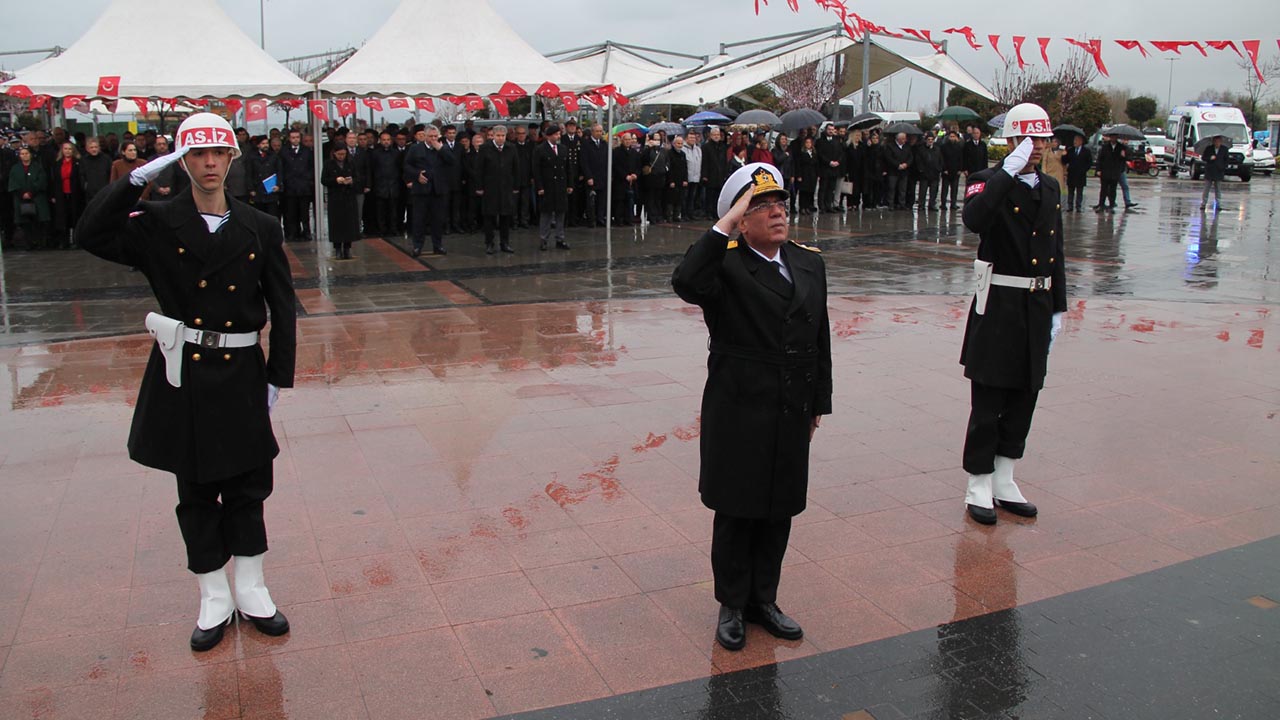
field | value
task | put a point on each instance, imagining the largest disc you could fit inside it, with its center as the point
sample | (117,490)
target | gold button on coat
(203,283)
(231,288)
(227,356)
(228,323)
(252,256)
(1034,261)
(195,356)
(1017,210)
(181,250)
(199,321)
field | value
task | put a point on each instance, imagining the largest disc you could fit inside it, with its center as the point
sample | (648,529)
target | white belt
(172,335)
(1025,283)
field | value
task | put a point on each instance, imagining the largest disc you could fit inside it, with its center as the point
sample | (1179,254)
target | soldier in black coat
(216,266)
(1079,162)
(1113,160)
(426,173)
(553,186)
(1015,314)
(768,384)
(298,180)
(499,188)
(571,143)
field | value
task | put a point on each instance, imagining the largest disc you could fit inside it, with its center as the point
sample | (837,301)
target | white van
(1189,123)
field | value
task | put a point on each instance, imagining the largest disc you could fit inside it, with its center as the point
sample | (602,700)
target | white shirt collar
(777,259)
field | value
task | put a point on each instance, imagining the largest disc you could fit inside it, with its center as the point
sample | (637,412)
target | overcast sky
(297,27)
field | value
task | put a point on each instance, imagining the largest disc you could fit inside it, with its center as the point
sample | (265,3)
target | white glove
(1054,328)
(1015,161)
(145,174)
(273,394)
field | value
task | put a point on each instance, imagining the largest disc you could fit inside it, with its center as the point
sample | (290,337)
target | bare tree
(1012,84)
(811,85)
(1255,90)
(1073,76)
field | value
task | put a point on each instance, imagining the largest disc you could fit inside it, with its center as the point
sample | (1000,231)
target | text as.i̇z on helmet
(204,136)
(1031,127)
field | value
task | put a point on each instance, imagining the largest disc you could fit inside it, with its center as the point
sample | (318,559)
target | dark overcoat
(296,171)
(264,165)
(499,175)
(422,159)
(1020,231)
(1112,160)
(975,155)
(1078,161)
(385,166)
(344,220)
(551,177)
(216,425)
(768,372)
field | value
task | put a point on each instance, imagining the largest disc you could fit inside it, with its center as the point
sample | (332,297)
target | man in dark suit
(627,163)
(552,184)
(595,172)
(1016,312)
(975,152)
(928,165)
(361,164)
(1215,171)
(897,163)
(526,206)
(499,177)
(715,167)
(427,176)
(454,172)
(298,181)
(571,144)
(1079,162)
(1113,159)
(386,165)
(216,266)
(764,301)
(952,150)
(830,163)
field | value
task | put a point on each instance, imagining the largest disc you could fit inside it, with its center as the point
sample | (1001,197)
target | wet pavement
(486,496)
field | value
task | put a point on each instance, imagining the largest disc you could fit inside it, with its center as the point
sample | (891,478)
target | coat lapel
(215,250)
(765,272)
(800,278)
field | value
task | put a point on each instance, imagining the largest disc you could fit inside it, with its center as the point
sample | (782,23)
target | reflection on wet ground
(490,507)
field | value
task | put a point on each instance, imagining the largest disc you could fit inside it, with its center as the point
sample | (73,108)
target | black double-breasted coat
(768,372)
(551,176)
(216,425)
(499,178)
(344,220)
(1020,231)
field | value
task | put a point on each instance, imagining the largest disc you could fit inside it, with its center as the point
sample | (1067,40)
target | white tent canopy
(164,63)
(417,53)
(727,75)
(618,65)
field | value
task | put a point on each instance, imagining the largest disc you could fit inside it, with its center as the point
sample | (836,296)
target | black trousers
(297,217)
(746,558)
(928,189)
(456,205)
(1075,197)
(827,186)
(1107,194)
(429,213)
(215,530)
(895,191)
(950,187)
(999,420)
(503,224)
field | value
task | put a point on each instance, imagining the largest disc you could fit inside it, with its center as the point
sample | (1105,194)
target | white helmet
(1026,120)
(207,130)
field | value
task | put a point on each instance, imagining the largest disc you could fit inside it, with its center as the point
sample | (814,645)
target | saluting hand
(729,223)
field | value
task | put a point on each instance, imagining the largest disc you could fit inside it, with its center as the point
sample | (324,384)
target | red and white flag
(425,103)
(71,101)
(22,92)
(39,101)
(373,103)
(109,86)
(499,104)
(232,104)
(319,108)
(346,107)
(141,103)
(398,103)
(548,90)
(511,91)
(474,102)
(570,101)
(255,110)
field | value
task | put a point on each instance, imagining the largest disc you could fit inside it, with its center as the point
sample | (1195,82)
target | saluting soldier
(764,301)
(216,266)
(1016,312)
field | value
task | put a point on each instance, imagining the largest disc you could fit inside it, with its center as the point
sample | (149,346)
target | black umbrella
(757,117)
(903,127)
(802,118)
(1203,143)
(1128,132)
(725,111)
(865,120)
(1065,131)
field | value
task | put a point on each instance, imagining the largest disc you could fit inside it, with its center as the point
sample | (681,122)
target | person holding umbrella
(1215,170)
(1078,161)
(1112,159)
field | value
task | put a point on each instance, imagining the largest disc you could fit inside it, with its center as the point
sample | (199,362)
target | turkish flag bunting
(255,110)
(425,104)
(499,104)
(71,101)
(109,86)
(1251,47)
(1094,48)
(198,102)
(171,102)
(454,100)
(141,103)
(548,90)
(1131,44)
(1044,50)
(606,90)
(923,35)
(1173,46)
(570,101)
(511,91)
(112,105)
(474,102)
(39,101)
(292,103)
(967,32)
(398,103)
(1017,49)
(346,107)
(594,98)
(621,99)
(21,92)
(232,104)
(319,108)
(995,45)
(373,103)
(1224,45)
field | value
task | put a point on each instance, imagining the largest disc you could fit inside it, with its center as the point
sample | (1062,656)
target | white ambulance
(1189,124)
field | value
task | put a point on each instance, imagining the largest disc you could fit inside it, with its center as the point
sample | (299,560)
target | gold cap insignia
(763,182)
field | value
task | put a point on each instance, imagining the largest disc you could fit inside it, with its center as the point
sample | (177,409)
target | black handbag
(27,209)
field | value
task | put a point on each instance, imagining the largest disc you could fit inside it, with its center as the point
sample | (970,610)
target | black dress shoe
(275,626)
(507,249)
(986,516)
(439,251)
(489,250)
(417,251)
(204,640)
(731,632)
(562,246)
(771,618)
(542,246)
(1025,509)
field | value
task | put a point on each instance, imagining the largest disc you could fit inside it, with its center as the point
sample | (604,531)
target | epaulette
(732,244)
(806,247)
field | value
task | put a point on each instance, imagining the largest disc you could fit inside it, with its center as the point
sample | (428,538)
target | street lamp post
(1170,95)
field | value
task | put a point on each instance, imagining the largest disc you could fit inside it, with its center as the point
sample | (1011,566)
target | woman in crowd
(853,169)
(66,195)
(344,219)
(761,151)
(782,160)
(872,172)
(29,187)
(805,164)
(128,161)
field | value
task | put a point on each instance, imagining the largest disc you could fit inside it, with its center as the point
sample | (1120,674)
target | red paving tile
(508,504)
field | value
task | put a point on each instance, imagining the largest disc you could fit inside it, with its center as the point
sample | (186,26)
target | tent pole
(317,158)
(942,84)
(866,71)
(608,184)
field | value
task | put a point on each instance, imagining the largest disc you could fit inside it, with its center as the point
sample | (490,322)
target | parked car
(1263,161)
